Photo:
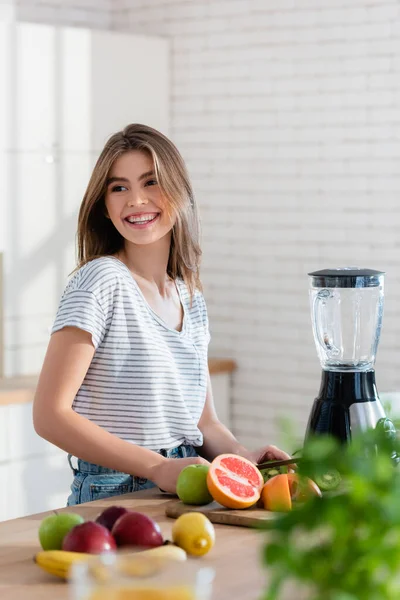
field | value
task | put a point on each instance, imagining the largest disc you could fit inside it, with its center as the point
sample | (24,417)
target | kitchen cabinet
(34,86)
(35,474)
(63,92)
(70,88)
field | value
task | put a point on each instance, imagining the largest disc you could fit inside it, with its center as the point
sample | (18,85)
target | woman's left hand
(267,453)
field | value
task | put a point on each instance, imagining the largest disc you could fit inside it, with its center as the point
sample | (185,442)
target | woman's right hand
(165,474)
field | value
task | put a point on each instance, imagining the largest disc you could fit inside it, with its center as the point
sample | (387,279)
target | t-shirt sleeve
(80,308)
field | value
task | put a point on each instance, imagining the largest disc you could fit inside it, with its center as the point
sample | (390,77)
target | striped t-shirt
(147,382)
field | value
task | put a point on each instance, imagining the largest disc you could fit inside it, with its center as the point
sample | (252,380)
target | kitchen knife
(271,464)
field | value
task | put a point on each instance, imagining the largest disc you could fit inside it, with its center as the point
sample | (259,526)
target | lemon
(194,533)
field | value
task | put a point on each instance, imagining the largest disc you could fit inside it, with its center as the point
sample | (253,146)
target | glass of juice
(124,576)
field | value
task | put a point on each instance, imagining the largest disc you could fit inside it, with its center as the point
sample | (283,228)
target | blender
(346,312)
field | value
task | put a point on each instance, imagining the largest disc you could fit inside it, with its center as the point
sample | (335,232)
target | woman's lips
(143,224)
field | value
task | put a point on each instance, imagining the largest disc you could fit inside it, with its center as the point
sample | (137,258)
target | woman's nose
(137,199)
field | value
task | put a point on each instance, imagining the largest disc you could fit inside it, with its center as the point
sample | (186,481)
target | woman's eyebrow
(114,179)
(145,175)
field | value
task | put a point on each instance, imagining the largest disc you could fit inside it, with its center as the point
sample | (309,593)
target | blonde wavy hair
(96,234)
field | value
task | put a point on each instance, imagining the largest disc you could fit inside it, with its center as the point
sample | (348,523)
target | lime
(194,533)
(55,527)
(191,486)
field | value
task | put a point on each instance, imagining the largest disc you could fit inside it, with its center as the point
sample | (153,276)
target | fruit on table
(59,562)
(276,495)
(194,533)
(191,486)
(169,551)
(110,515)
(279,492)
(137,529)
(54,528)
(89,537)
(234,481)
(328,481)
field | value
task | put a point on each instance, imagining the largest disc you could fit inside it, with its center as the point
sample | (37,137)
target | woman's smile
(141,220)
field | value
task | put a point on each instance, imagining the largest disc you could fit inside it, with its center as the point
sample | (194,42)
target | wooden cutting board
(248,517)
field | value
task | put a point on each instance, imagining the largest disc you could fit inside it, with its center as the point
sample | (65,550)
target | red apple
(137,529)
(110,515)
(89,537)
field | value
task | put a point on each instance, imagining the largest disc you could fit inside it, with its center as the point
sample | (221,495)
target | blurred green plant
(345,545)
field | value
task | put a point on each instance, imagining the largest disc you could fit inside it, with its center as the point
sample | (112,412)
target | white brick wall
(288,114)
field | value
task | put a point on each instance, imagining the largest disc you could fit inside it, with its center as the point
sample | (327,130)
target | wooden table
(235,556)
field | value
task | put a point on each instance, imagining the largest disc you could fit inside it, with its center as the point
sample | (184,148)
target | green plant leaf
(346,545)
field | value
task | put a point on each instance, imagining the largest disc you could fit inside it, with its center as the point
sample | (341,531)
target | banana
(59,562)
(167,551)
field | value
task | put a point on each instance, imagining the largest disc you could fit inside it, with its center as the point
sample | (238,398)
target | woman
(125,386)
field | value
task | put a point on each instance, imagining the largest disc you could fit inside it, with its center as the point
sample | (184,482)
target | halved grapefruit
(234,481)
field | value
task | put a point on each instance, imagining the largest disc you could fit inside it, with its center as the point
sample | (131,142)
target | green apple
(55,527)
(191,486)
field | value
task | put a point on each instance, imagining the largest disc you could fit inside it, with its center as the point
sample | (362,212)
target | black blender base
(330,413)
(329,418)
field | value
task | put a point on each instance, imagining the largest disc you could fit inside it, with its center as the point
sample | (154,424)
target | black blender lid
(347,277)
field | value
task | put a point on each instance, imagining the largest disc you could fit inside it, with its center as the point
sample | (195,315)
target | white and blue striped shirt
(147,382)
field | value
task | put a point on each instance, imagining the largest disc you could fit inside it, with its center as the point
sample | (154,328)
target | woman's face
(134,200)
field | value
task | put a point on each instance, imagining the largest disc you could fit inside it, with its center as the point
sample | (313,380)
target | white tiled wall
(288,114)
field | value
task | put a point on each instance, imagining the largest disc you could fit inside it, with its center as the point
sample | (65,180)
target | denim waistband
(182,451)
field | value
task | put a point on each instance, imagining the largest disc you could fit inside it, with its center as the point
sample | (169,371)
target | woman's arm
(67,360)
(217,439)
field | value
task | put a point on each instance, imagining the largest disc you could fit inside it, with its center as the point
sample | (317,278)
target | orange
(234,481)
(276,494)
(281,491)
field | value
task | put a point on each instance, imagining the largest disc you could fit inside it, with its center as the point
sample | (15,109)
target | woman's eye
(151,182)
(118,188)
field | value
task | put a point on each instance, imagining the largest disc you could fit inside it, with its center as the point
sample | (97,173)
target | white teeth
(143,219)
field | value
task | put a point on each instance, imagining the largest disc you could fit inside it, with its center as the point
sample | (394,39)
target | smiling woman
(125,386)
(135,203)
(142,168)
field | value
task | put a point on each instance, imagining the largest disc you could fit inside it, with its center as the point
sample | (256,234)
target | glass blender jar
(346,313)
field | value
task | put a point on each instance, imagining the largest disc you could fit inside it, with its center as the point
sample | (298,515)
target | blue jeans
(93,482)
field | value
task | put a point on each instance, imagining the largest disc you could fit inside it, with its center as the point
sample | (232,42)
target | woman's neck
(148,262)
